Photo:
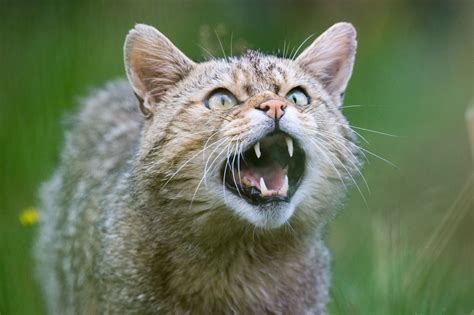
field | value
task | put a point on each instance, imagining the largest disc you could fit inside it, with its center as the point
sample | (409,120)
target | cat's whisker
(361,105)
(355,131)
(225,172)
(203,177)
(207,141)
(349,174)
(189,160)
(240,156)
(374,155)
(379,157)
(321,150)
(375,131)
(342,140)
(190,135)
(206,169)
(362,128)
(233,169)
(329,138)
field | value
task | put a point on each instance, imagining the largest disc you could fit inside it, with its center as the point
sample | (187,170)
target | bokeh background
(406,249)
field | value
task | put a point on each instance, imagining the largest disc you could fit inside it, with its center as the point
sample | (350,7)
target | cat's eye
(221,99)
(298,96)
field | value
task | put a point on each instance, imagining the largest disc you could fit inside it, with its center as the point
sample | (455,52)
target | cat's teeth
(284,188)
(263,187)
(256,147)
(289,144)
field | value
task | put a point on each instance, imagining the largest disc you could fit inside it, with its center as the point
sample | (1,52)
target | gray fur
(124,231)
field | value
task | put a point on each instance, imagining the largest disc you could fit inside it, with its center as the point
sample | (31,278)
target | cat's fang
(289,144)
(263,187)
(256,147)
(284,188)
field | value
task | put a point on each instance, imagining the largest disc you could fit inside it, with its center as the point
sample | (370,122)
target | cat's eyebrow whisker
(207,51)
(301,45)
(220,44)
(231,39)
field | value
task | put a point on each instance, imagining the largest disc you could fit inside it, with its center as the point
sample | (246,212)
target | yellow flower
(29,216)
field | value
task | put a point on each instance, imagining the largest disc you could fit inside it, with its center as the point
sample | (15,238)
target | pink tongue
(272,174)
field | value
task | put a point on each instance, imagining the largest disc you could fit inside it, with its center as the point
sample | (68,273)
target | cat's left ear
(153,65)
(330,57)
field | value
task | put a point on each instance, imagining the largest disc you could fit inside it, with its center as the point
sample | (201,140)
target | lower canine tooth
(284,188)
(257,149)
(289,144)
(263,187)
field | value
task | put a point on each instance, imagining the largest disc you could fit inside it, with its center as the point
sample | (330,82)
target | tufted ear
(330,57)
(153,65)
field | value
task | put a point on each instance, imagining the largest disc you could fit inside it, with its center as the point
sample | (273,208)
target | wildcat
(201,188)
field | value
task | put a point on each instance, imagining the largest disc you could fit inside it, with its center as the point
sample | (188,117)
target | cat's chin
(269,215)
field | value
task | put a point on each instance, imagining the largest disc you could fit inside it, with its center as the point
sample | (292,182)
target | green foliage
(407,250)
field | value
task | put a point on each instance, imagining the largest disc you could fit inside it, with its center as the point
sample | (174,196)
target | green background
(407,250)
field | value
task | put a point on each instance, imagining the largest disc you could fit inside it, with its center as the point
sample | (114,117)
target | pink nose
(274,109)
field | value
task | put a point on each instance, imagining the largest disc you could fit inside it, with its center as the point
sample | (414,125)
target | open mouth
(269,171)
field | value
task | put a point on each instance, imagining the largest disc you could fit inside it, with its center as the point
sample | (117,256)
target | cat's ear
(153,65)
(330,57)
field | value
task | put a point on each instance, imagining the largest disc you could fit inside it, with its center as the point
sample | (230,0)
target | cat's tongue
(270,179)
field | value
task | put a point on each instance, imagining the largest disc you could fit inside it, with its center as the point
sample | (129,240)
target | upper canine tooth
(257,149)
(289,144)
(263,187)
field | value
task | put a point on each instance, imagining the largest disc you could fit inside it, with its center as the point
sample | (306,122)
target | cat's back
(106,128)
(101,138)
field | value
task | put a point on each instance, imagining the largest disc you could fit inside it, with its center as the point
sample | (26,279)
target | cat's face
(261,134)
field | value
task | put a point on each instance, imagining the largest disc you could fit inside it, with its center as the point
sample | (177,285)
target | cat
(201,188)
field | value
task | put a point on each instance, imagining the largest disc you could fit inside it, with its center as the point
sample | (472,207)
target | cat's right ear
(153,65)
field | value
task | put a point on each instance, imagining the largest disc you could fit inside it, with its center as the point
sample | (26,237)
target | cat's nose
(274,109)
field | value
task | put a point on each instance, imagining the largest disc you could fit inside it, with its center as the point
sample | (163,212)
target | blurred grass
(413,78)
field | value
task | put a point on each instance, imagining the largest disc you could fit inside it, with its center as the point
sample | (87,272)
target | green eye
(221,99)
(298,96)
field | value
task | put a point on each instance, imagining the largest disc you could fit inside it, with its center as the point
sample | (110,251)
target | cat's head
(260,134)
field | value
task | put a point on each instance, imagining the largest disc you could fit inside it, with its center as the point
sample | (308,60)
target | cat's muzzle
(271,170)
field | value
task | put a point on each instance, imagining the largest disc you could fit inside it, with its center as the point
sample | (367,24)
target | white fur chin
(268,216)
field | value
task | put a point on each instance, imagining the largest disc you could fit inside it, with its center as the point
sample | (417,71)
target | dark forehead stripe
(255,66)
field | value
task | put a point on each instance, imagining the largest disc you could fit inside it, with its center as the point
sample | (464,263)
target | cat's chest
(276,287)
